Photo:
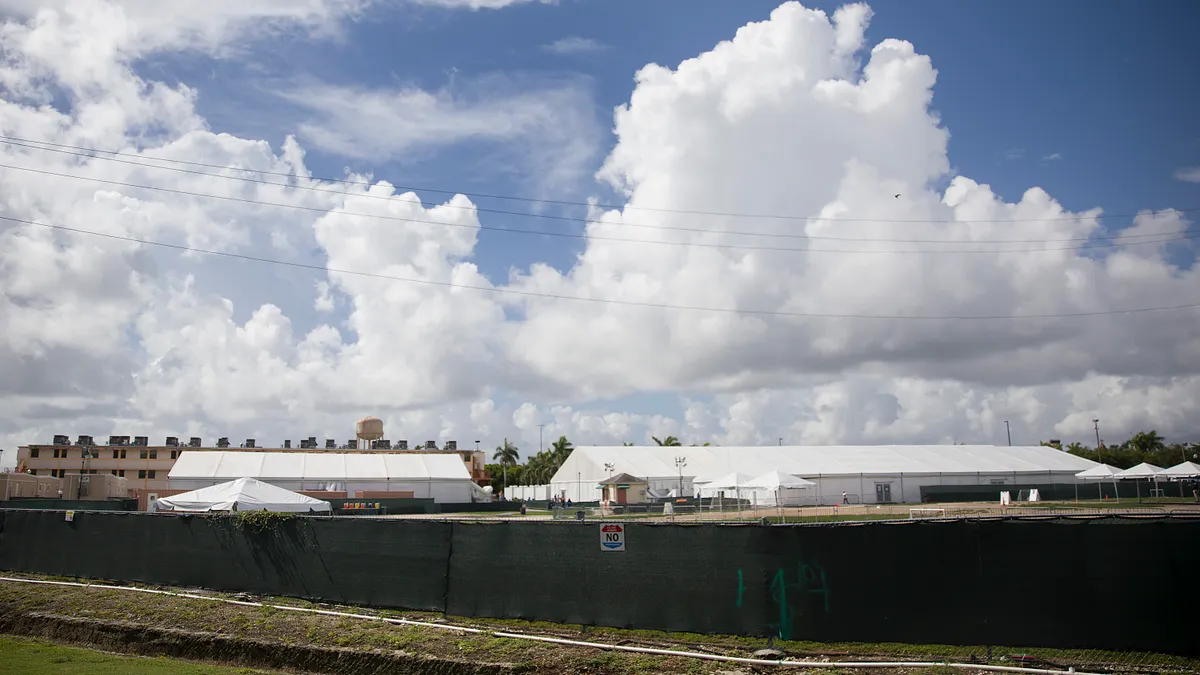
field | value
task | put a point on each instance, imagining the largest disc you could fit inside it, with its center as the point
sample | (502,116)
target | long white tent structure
(442,477)
(868,474)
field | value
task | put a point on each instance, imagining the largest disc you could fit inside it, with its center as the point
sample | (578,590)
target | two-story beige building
(145,467)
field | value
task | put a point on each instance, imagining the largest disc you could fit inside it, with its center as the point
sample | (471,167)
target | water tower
(368,429)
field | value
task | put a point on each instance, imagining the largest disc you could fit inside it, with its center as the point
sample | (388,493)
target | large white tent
(243,494)
(442,477)
(868,474)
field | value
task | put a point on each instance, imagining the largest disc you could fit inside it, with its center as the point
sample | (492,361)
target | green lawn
(20,656)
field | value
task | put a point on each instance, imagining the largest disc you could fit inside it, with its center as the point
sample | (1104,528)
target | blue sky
(1092,83)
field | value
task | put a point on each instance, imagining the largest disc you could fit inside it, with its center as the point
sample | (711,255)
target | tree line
(1144,446)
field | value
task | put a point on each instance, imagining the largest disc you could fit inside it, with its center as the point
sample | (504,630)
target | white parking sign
(612,537)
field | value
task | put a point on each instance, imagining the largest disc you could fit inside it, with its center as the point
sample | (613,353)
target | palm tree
(560,450)
(668,441)
(507,455)
(627,444)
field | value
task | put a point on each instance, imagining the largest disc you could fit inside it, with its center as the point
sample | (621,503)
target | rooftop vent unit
(381,444)
(330,444)
(401,445)
(451,445)
(312,441)
(350,444)
(172,441)
(223,442)
(287,445)
(141,440)
(118,440)
(431,445)
(194,442)
(61,439)
(249,443)
(85,440)
(306,443)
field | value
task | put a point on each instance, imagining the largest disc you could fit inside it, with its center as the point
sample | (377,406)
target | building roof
(814,461)
(622,479)
(232,464)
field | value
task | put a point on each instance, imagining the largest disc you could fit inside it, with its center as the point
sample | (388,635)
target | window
(33,452)
(122,454)
(33,472)
(141,454)
(56,451)
(150,474)
(116,453)
(121,473)
(142,474)
(174,454)
(113,472)
(153,454)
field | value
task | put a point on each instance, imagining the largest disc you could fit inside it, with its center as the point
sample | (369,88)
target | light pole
(781,441)
(680,462)
(1099,454)
(1008,432)
(541,428)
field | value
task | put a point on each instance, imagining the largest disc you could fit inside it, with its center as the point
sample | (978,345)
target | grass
(324,631)
(20,656)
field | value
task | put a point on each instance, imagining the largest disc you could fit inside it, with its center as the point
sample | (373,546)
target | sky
(743,223)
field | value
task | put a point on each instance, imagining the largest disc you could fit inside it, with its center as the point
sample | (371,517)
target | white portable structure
(1137,473)
(781,484)
(1100,472)
(243,494)
(868,474)
(1182,470)
(442,477)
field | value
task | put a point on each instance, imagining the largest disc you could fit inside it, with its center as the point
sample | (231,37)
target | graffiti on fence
(791,596)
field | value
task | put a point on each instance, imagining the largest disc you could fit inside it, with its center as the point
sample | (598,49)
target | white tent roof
(1098,472)
(813,461)
(1184,470)
(774,480)
(317,466)
(1143,470)
(247,494)
(732,481)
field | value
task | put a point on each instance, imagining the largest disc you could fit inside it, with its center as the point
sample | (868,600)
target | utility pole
(541,428)
(1099,452)
(781,442)
(1008,431)
(680,462)
(504,462)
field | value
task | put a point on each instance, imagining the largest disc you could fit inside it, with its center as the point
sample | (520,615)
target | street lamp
(1099,455)
(680,462)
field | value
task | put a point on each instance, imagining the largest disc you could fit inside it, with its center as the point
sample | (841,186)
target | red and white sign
(612,537)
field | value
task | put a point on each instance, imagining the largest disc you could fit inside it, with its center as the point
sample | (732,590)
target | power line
(595,237)
(605,301)
(98,154)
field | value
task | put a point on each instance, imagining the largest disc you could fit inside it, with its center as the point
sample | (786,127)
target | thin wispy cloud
(1188,174)
(1014,153)
(575,45)
(1052,157)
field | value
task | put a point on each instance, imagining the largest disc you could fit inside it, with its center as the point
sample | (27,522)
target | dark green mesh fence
(1090,584)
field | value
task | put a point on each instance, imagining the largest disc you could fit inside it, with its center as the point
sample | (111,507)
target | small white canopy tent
(734,481)
(1184,470)
(243,494)
(778,482)
(1143,470)
(1100,472)
(1179,472)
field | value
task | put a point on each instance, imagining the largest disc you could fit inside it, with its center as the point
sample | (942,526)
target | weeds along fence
(1048,583)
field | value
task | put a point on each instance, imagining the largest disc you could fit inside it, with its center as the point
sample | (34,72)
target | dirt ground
(267,637)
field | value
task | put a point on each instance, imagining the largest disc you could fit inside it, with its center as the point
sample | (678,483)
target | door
(621,492)
(883,493)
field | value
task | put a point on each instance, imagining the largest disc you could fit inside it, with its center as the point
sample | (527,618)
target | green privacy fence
(1000,582)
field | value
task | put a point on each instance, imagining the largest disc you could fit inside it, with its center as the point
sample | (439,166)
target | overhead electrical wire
(595,237)
(607,301)
(91,153)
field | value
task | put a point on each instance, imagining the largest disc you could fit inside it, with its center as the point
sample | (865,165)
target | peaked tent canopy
(1143,470)
(1184,470)
(775,480)
(733,481)
(1099,472)
(243,494)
